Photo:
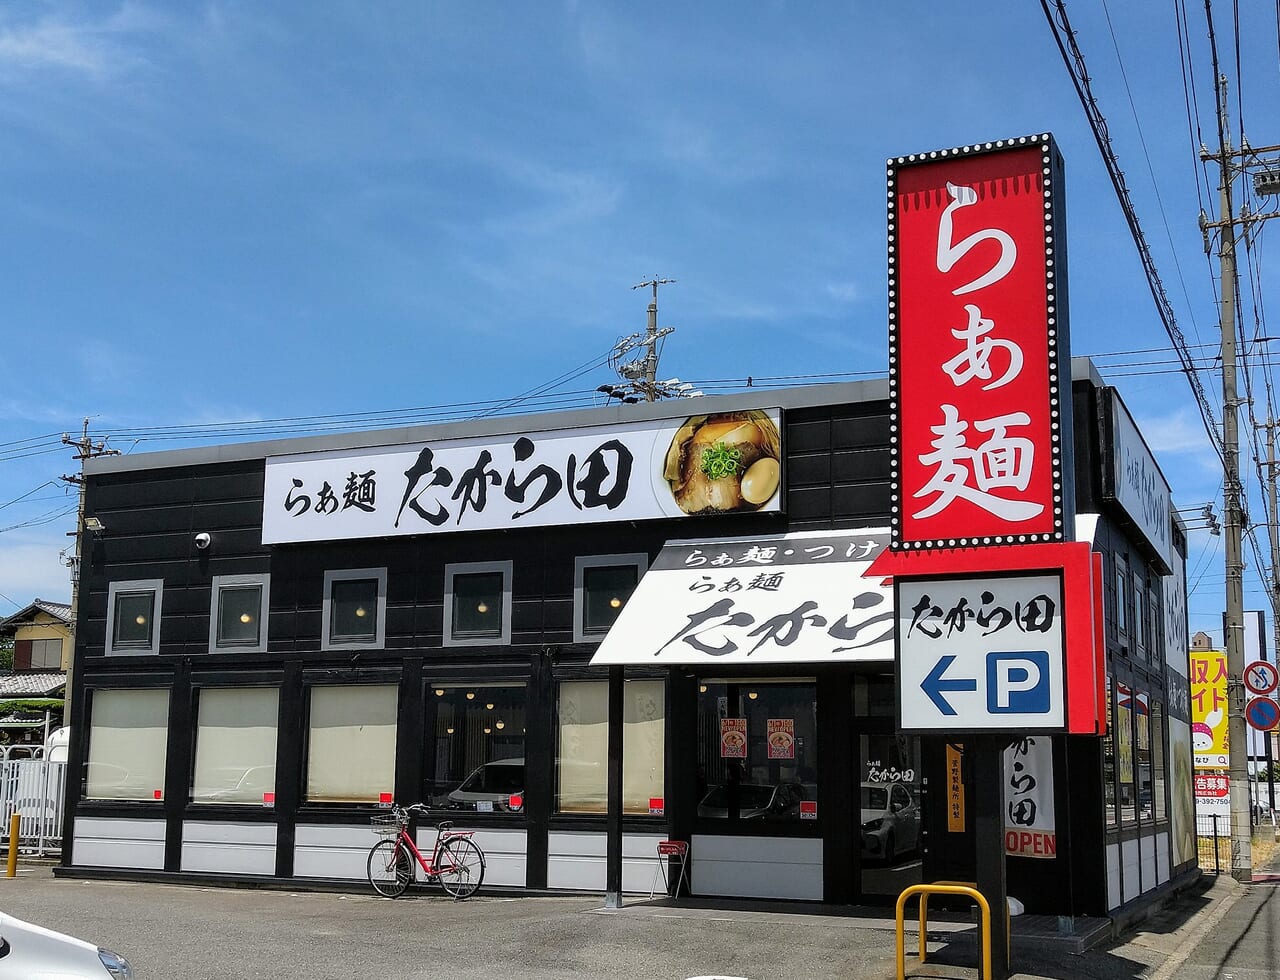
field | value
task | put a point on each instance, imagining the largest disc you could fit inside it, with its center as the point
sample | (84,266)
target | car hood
(37,953)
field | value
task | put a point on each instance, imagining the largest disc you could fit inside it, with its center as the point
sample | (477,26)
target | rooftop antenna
(640,375)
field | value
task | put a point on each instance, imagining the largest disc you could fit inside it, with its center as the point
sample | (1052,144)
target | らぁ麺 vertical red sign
(978,338)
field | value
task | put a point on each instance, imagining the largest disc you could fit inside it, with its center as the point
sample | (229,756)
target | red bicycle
(456,861)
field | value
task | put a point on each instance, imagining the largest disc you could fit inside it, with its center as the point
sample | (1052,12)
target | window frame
(332,575)
(116,589)
(220,582)
(455,569)
(581,563)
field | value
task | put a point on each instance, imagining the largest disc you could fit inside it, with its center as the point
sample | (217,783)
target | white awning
(797,598)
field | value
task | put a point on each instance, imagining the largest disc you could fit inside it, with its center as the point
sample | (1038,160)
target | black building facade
(242,708)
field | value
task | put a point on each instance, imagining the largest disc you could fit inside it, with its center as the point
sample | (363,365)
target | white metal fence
(35,788)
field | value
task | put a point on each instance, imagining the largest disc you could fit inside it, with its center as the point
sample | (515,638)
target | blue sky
(229,212)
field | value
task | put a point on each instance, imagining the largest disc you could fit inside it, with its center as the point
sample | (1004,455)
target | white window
(582,763)
(238,613)
(128,743)
(351,746)
(477,603)
(133,616)
(46,654)
(355,609)
(236,745)
(602,584)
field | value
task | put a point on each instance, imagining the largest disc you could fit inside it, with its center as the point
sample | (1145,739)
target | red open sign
(516,801)
(808,809)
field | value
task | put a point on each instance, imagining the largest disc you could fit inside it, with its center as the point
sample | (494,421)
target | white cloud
(844,292)
(92,49)
(30,567)
(1180,432)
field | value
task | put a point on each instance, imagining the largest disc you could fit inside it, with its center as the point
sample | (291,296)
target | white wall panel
(1162,858)
(229,848)
(757,867)
(117,842)
(1113,876)
(576,859)
(504,854)
(1129,865)
(1149,862)
(332,850)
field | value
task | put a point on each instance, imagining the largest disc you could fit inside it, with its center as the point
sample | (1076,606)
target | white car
(31,952)
(890,821)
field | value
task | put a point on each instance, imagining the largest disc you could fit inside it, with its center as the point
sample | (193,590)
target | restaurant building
(275,639)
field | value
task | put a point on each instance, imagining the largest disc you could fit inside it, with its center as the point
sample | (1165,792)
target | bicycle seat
(444,825)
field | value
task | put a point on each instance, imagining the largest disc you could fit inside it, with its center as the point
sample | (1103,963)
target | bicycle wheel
(461,867)
(390,868)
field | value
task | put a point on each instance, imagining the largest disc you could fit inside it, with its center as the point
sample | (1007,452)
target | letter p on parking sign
(1018,682)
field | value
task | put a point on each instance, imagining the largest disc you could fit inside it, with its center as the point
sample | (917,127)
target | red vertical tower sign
(979,366)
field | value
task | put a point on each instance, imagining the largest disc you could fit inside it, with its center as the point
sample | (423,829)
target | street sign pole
(989,831)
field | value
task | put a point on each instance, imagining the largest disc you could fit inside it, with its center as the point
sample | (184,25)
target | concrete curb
(1191,940)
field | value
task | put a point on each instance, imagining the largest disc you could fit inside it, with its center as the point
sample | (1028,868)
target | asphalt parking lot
(183,932)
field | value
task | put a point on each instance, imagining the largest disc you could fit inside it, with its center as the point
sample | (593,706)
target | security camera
(202,540)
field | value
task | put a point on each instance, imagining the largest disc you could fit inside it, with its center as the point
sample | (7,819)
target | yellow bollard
(15,828)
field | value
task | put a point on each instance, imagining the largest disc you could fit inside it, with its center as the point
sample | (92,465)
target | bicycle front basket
(386,824)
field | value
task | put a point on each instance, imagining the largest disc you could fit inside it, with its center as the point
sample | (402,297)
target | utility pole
(651,337)
(1237,730)
(1273,529)
(86,449)
(640,377)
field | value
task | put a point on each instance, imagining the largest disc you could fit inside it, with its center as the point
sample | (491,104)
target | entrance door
(888,790)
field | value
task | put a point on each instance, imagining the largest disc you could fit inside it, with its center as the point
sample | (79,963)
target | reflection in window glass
(1122,595)
(239,615)
(605,590)
(757,750)
(128,745)
(353,609)
(1124,754)
(235,745)
(874,695)
(1157,760)
(1142,717)
(477,604)
(890,815)
(582,762)
(1109,758)
(133,621)
(351,744)
(479,746)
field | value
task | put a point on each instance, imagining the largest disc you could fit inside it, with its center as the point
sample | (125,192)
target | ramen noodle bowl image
(733,740)
(725,462)
(781,741)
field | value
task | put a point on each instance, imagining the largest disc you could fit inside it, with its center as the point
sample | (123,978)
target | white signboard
(1139,486)
(1030,829)
(981,654)
(704,464)
(777,599)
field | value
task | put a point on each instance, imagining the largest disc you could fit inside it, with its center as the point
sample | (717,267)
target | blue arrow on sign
(934,685)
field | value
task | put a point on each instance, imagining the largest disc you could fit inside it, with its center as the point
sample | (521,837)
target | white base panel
(505,859)
(1113,876)
(332,850)
(757,867)
(576,859)
(118,842)
(1162,858)
(1129,861)
(229,848)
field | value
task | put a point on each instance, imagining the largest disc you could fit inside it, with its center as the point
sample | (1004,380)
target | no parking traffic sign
(1261,677)
(1262,713)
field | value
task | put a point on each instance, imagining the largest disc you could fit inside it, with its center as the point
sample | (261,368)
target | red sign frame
(979,361)
(1084,644)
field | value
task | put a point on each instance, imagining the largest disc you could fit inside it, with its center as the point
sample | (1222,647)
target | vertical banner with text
(979,365)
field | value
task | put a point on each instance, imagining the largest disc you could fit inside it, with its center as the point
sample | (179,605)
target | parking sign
(981,654)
